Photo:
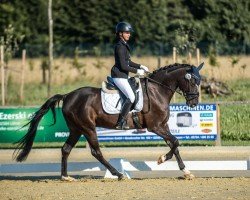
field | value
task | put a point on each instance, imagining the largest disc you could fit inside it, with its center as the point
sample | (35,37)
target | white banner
(199,123)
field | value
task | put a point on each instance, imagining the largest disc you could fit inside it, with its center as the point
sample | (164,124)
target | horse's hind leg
(66,149)
(96,152)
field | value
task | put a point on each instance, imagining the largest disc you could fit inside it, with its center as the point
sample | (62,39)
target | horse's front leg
(173,143)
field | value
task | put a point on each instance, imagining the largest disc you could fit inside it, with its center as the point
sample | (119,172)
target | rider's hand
(144,68)
(140,72)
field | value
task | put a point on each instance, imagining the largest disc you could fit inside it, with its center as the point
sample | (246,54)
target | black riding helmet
(123,27)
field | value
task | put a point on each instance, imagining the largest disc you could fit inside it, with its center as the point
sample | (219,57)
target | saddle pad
(112,103)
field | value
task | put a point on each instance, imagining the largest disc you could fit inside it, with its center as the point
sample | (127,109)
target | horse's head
(189,85)
(183,76)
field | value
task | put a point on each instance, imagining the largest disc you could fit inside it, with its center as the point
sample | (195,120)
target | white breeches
(124,86)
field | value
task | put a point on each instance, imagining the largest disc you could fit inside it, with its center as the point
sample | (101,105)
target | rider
(123,65)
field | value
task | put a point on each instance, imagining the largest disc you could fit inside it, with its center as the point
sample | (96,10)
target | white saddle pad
(112,103)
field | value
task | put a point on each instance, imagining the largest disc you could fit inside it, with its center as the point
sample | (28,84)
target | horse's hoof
(68,178)
(189,176)
(121,177)
(161,159)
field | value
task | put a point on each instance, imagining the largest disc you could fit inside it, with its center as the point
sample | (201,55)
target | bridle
(188,95)
(191,95)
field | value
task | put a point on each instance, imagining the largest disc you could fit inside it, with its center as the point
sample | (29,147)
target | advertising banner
(12,121)
(199,123)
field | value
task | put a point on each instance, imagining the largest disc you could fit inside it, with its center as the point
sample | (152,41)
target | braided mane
(171,68)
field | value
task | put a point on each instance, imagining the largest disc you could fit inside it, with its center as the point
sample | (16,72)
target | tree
(223,21)
(92,22)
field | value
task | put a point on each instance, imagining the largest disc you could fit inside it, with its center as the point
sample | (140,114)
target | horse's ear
(200,66)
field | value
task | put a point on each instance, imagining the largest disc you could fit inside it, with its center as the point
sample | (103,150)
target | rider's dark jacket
(123,64)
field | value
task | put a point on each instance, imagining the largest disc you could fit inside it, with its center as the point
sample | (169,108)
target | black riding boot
(122,120)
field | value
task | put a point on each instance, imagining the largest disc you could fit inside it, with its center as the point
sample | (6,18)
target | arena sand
(165,188)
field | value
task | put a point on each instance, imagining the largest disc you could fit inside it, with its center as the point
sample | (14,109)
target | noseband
(190,95)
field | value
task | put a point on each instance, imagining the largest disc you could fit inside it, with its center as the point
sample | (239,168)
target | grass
(65,71)
(235,127)
(66,77)
(235,122)
(240,92)
(36,93)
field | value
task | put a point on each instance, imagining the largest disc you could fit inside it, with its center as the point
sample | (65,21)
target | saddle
(112,98)
(110,87)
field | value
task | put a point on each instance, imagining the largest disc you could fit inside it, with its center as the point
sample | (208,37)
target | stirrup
(118,126)
(122,126)
(125,126)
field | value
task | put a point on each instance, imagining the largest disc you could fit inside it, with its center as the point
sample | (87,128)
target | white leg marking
(186,171)
(68,178)
(161,159)
(187,174)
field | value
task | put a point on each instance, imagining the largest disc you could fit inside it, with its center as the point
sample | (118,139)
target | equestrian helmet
(123,27)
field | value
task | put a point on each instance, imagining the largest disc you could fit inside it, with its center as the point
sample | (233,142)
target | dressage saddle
(110,87)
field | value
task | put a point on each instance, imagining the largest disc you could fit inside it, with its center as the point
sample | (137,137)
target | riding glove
(140,72)
(144,68)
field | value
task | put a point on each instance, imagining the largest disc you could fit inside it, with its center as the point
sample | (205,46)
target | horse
(83,112)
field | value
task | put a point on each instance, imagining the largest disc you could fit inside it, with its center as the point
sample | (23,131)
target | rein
(172,90)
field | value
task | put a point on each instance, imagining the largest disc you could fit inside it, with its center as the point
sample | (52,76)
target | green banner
(13,119)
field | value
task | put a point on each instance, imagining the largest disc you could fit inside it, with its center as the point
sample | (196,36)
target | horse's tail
(24,145)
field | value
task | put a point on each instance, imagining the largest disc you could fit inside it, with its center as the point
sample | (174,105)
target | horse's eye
(188,76)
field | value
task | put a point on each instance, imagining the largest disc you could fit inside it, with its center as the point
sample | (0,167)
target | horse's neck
(162,93)
(169,80)
(168,85)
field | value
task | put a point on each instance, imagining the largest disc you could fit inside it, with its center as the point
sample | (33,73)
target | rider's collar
(123,41)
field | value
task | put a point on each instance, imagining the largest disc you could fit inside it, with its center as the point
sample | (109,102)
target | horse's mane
(170,68)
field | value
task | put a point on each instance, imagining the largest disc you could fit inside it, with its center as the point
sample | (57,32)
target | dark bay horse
(83,112)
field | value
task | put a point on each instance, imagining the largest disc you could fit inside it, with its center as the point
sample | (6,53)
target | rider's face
(125,36)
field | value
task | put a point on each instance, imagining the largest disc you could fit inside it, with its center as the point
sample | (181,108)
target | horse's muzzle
(192,99)
(192,103)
